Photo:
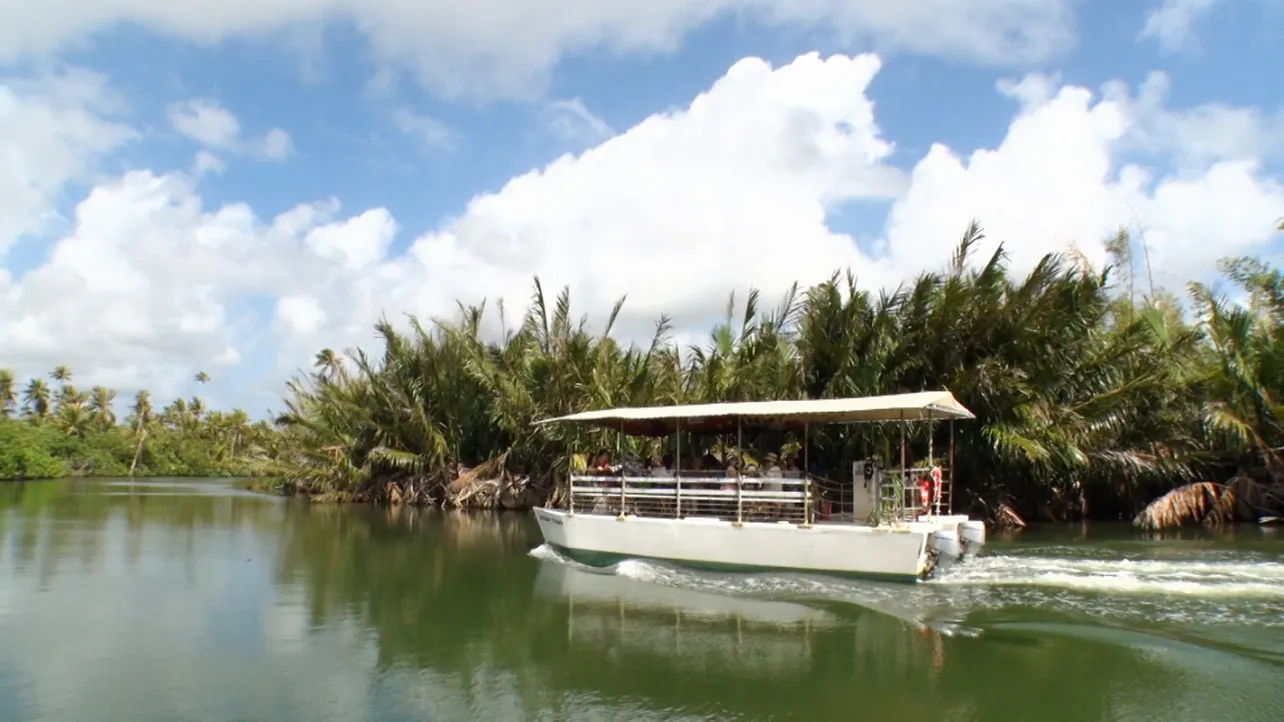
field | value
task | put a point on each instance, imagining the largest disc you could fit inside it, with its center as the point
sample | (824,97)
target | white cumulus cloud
(53,130)
(213,126)
(489,47)
(736,189)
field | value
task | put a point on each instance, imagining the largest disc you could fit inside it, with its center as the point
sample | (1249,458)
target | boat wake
(1197,578)
(1062,581)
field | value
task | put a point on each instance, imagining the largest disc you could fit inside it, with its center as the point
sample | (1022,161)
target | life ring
(924,492)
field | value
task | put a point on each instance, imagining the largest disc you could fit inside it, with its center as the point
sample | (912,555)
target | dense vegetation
(1093,395)
(47,432)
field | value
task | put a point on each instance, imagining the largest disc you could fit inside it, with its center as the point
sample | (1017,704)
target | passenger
(602,462)
(774,472)
(772,465)
(660,468)
(791,470)
(751,476)
(726,506)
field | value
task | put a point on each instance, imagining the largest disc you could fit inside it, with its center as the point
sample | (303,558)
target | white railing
(901,499)
(731,498)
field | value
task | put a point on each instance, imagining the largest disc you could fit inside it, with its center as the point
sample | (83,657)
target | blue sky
(1054,122)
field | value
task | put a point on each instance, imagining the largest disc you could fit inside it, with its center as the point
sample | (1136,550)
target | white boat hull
(909,551)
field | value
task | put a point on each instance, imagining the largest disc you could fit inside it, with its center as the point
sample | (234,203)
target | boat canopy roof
(722,418)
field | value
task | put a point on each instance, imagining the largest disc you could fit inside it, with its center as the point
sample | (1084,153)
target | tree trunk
(138,450)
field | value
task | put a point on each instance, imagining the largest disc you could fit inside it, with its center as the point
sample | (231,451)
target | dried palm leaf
(1188,504)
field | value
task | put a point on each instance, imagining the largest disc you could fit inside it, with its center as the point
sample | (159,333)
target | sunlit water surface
(181,600)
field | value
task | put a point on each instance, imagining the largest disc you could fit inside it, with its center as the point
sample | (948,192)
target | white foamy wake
(1236,591)
(1195,578)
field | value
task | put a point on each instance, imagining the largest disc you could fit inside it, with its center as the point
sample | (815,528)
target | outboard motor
(946,543)
(972,533)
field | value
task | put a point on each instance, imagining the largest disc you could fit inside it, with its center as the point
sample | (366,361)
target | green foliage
(1085,396)
(46,433)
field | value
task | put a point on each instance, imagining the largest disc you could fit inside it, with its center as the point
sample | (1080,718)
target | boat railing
(738,499)
(901,496)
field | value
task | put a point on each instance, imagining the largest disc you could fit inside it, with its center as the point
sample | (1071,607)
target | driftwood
(1005,517)
(491,485)
(1212,504)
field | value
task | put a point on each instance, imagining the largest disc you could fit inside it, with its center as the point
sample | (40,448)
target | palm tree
(8,393)
(36,399)
(61,374)
(74,418)
(328,363)
(202,377)
(142,413)
(1088,399)
(69,395)
(142,408)
(100,405)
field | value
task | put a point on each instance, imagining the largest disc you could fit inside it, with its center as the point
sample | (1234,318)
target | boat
(896,523)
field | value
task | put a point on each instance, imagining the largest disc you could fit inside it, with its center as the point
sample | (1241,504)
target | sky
(229,186)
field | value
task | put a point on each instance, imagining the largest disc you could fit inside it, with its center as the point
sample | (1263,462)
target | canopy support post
(951,499)
(931,463)
(905,472)
(570,481)
(740,476)
(807,510)
(677,469)
(624,476)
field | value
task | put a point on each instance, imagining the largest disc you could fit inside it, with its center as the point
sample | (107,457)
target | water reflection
(696,629)
(164,601)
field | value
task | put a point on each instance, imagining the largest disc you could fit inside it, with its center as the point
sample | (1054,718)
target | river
(194,600)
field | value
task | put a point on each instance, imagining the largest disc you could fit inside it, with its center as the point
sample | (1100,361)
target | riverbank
(1209,504)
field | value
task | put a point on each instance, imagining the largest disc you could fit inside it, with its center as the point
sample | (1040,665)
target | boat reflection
(691,627)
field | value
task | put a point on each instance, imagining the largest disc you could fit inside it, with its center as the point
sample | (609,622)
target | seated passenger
(773,472)
(660,469)
(791,470)
(601,463)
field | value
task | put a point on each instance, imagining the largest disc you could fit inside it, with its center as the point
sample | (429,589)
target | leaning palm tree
(142,413)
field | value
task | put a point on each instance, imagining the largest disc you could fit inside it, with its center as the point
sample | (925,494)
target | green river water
(181,600)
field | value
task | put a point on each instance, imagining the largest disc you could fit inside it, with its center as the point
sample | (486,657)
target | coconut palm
(100,405)
(142,408)
(8,393)
(36,399)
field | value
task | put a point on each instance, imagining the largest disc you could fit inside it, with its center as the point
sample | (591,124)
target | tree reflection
(458,594)
(453,606)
